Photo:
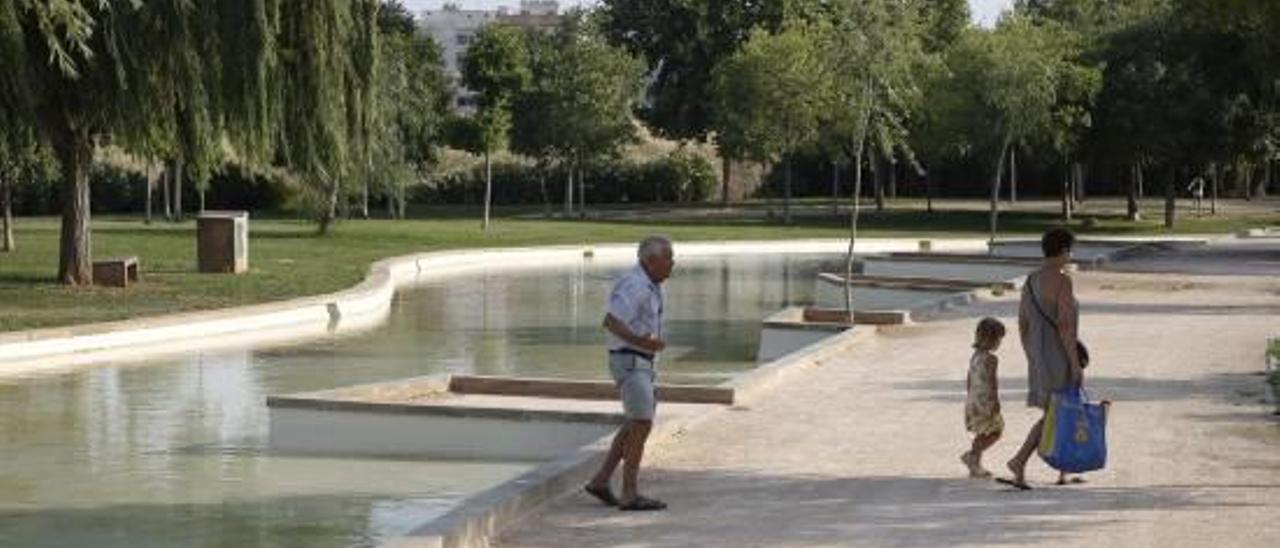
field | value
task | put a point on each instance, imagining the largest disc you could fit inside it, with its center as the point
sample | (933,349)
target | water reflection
(171,452)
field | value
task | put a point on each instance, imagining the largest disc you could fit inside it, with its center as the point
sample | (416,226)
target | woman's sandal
(642,504)
(1073,480)
(1021,485)
(602,494)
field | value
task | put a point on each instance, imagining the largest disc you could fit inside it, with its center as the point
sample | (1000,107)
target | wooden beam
(975,258)
(863,317)
(581,390)
(914,282)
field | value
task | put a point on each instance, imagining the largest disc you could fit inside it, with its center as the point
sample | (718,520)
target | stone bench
(115,271)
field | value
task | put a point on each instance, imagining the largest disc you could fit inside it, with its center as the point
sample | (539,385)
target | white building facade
(454,28)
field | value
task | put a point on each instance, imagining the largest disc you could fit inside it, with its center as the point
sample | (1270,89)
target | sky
(984,12)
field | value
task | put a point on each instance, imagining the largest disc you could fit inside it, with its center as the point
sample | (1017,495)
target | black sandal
(643,504)
(1022,485)
(602,494)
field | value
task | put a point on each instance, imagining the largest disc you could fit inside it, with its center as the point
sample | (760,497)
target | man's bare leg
(611,460)
(599,486)
(633,452)
(1018,464)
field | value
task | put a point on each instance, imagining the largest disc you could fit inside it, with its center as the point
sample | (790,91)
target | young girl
(982,406)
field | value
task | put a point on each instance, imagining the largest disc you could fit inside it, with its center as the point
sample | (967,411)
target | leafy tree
(22,157)
(413,100)
(772,94)
(80,70)
(1239,53)
(535,128)
(269,76)
(496,68)
(325,93)
(1012,79)
(943,21)
(579,104)
(875,56)
(681,42)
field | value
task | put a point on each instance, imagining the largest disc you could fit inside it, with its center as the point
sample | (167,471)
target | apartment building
(454,28)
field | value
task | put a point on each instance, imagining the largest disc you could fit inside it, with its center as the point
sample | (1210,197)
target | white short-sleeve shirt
(636,302)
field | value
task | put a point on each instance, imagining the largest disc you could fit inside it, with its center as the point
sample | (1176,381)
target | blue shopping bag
(1074,438)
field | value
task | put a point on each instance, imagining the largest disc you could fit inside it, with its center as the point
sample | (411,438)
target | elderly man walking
(634,323)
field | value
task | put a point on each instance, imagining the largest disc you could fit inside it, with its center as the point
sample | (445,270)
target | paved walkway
(863,450)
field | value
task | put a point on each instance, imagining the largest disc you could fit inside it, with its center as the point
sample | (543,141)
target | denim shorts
(636,381)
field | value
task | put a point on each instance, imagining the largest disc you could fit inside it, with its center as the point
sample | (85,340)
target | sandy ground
(862,450)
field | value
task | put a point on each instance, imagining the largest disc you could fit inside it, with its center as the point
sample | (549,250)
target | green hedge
(678,177)
(681,176)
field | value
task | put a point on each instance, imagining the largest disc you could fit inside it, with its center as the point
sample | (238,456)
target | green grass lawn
(288,260)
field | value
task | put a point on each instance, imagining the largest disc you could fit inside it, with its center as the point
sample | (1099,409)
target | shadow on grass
(27,279)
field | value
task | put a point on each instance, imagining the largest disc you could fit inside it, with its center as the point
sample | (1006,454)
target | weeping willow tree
(328,60)
(150,76)
(277,81)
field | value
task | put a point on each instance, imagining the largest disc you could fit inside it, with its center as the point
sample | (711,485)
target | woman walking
(1048,320)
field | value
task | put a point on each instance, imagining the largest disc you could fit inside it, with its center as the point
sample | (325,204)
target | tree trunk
(1169,195)
(402,199)
(893,180)
(835,188)
(1265,182)
(1077,181)
(203,190)
(1067,197)
(6,196)
(75,261)
(488,189)
(364,195)
(166,179)
(176,175)
(786,191)
(1244,184)
(582,193)
(726,170)
(768,192)
(1013,175)
(853,232)
(1142,184)
(877,174)
(928,193)
(542,187)
(1135,175)
(568,191)
(995,194)
(329,213)
(151,181)
(1213,189)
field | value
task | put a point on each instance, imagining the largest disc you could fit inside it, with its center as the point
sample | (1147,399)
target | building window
(462,39)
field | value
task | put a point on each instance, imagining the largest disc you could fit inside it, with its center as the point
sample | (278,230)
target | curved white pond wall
(361,307)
